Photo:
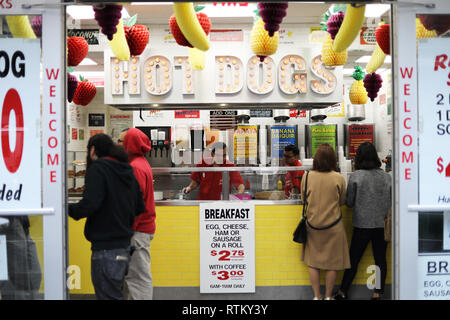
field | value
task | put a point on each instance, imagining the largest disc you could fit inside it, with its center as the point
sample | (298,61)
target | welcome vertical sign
(227,247)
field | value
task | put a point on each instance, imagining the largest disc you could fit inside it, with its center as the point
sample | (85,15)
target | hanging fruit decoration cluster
(190,28)
(264,35)
(358,93)
(331,22)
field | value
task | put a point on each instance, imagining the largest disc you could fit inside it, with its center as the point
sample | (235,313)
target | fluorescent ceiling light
(88,62)
(89,74)
(87,12)
(363,59)
(232,11)
(376,10)
(348,71)
(151,3)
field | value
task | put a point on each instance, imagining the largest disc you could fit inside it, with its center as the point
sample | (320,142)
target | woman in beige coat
(326,247)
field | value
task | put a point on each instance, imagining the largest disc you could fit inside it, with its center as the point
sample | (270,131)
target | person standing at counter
(211,182)
(111,201)
(326,247)
(293,178)
(138,281)
(369,193)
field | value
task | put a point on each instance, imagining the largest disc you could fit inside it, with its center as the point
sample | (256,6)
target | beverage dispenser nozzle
(154,138)
(161,138)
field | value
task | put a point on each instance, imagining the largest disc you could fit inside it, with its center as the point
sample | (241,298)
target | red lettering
(50,125)
(406,89)
(404,123)
(52,74)
(52,142)
(53,161)
(12,102)
(53,176)
(51,109)
(5,4)
(409,158)
(409,138)
(408,174)
(52,91)
(448,82)
(440,62)
(406,107)
(406,71)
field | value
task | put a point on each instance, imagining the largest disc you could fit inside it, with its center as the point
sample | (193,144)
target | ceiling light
(376,10)
(363,59)
(87,12)
(151,3)
(88,62)
(89,74)
(224,11)
(348,71)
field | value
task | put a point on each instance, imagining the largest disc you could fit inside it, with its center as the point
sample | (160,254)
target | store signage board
(281,137)
(322,134)
(434,112)
(90,35)
(96,119)
(232,73)
(20,168)
(433,281)
(227,247)
(3,259)
(359,133)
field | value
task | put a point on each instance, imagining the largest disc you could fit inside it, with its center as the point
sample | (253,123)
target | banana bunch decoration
(190,26)
(20,27)
(376,60)
(349,30)
(329,57)
(119,44)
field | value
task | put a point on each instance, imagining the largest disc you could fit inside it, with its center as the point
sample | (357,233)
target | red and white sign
(20,154)
(434,111)
(227,247)
(187,114)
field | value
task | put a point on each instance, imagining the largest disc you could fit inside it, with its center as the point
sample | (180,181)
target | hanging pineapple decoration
(331,22)
(261,43)
(358,93)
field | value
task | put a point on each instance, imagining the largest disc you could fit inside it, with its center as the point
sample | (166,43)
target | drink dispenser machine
(160,138)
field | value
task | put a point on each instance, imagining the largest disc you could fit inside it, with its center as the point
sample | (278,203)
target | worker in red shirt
(211,182)
(293,178)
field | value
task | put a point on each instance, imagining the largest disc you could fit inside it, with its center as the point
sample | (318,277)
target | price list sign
(227,247)
(434,113)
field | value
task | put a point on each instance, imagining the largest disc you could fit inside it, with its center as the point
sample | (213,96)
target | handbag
(300,232)
(388,226)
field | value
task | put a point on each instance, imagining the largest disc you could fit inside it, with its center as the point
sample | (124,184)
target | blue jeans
(108,271)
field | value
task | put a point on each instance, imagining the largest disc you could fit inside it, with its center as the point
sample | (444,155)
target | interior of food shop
(254,92)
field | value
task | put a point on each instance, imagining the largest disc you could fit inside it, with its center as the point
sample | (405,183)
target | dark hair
(105,147)
(126,129)
(325,158)
(292,148)
(218,145)
(367,157)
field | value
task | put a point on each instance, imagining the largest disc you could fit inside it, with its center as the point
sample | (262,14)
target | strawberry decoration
(72,84)
(77,50)
(204,20)
(85,92)
(382,35)
(372,83)
(137,36)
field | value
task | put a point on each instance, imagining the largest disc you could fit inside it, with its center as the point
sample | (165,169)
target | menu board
(246,142)
(227,247)
(357,134)
(323,134)
(281,136)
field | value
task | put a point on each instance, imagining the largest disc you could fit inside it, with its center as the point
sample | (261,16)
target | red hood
(136,142)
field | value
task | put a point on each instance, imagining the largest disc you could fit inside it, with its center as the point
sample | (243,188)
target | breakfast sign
(232,73)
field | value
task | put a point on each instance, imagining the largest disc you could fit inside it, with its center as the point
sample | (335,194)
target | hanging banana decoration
(119,44)
(196,58)
(376,60)
(329,57)
(190,26)
(349,30)
(20,27)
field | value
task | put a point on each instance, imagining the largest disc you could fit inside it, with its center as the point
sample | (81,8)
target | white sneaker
(315,298)
(329,298)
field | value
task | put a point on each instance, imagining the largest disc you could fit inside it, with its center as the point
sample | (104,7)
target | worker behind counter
(211,182)
(293,178)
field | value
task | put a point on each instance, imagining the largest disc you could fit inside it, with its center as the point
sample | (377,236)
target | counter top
(255,202)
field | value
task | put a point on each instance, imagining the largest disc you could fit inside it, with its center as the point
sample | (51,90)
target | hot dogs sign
(156,77)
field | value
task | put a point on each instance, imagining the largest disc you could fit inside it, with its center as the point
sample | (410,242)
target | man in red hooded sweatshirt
(139,278)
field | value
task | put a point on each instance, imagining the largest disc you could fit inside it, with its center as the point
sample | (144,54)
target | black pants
(360,240)
(108,271)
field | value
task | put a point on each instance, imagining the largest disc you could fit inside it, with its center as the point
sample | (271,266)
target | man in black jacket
(111,200)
